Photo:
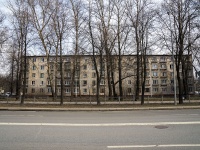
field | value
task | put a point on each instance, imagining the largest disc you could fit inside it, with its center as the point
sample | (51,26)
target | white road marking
(180,145)
(131,146)
(149,146)
(17,115)
(99,125)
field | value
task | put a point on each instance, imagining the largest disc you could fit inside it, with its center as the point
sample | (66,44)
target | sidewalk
(87,106)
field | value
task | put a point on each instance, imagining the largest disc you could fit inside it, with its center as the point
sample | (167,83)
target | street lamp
(175,103)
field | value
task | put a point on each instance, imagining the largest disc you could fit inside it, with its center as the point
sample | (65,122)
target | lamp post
(175,103)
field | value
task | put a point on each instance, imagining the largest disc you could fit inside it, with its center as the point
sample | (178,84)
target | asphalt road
(136,130)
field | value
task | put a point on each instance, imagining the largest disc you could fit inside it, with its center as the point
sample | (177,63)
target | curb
(96,109)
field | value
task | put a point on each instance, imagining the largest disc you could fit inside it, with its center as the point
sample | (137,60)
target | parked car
(197,92)
(8,94)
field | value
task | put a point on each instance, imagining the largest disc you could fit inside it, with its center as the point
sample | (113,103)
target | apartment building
(159,78)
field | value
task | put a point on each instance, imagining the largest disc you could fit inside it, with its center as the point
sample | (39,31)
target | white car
(8,94)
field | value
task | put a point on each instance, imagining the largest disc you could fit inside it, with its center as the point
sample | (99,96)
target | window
(154,66)
(86,60)
(190,81)
(84,90)
(164,89)
(49,90)
(172,74)
(147,65)
(48,83)
(190,73)
(172,81)
(33,82)
(171,66)
(33,75)
(93,75)
(76,82)
(42,83)
(33,90)
(154,74)
(84,82)
(172,89)
(41,75)
(93,83)
(93,90)
(163,81)
(129,82)
(129,90)
(163,66)
(190,89)
(102,90)
(93,67)
(162,59)
(51,59)
(34,67)
(154,59)
(155,89)
(58,82)
(147,90)
(67,82)
(34,59)
(102,82)
(67,66)
(42,59)
(41,90)
(155,81)
(147,81)
(103,73)
(42,67)
(68,75)
(76,74)
(164,74)
(67,90)
(51,67)
(85,75)
(76,90)
(84,67)
(68,59)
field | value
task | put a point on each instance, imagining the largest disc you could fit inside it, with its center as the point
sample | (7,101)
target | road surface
(135,130)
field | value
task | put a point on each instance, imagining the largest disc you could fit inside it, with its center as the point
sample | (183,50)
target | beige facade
(159,78)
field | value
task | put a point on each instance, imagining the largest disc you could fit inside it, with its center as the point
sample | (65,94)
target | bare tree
(21,24)
(180,18)
(60,26)
(3,31)
(97,50)
(141,14)
(134,8)
(41,13)
(76,24)
(104,14)
(122,33)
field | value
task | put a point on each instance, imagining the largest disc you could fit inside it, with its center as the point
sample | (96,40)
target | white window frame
(33,83)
